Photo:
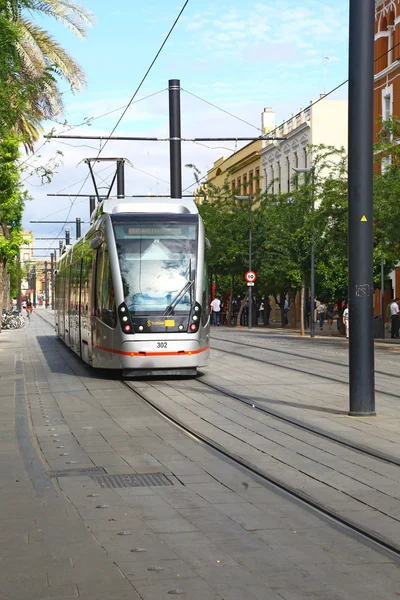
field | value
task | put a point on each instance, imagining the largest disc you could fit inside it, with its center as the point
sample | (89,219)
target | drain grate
(124,481)
(76,472)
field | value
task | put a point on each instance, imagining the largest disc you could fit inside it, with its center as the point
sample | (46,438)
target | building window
(296,164)
(245,191)
(387,107)
(257,180)
(251,191)
(233,186)
(238,182)
(272,180)
(279,177)
(305,158)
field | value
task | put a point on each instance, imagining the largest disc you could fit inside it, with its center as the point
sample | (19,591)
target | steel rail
(388,458)
(296,369)
(368,537)
(315,358)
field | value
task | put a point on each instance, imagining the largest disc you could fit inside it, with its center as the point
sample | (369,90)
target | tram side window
(105,299)
(205,303)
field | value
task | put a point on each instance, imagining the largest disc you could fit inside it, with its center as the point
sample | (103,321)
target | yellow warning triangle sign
(363,219)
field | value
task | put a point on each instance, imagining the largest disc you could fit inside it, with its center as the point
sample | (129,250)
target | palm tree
(43,60)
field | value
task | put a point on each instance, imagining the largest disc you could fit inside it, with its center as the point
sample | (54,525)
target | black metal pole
(34,286)
(60,246)
(46,297)
(174,89)
(312,287)
(360,241)
(67,237)
(92,204)
(52,279)
(250,321)
(78,228)
(120,179)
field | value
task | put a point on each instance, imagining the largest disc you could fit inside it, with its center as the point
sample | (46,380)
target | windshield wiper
(169,310)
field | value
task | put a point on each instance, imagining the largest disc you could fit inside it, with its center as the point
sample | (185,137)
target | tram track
(290,368)
(287,353)
(304,426)
(348,525)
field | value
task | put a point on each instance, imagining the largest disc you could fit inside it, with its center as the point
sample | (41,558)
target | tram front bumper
(171,354)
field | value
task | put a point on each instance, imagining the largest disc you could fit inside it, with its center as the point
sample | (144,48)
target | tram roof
(146,205)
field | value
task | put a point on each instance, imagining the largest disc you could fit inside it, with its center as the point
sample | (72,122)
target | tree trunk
(292,306)
(229,320)
(302,307)
(282,307)
(3,280)
(243,304)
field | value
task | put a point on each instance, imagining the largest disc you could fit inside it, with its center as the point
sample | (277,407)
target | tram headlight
(195,317)
(193,327)
(127,328)
(124,318)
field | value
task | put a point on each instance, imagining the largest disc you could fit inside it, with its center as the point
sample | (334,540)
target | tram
(132,293)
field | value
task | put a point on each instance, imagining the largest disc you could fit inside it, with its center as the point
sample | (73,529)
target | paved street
(211,531)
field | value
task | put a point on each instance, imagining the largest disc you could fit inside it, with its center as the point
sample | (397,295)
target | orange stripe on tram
(181,353)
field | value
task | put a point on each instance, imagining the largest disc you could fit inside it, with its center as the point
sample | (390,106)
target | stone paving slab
(214,533)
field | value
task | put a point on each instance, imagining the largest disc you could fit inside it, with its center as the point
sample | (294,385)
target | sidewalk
(212,533)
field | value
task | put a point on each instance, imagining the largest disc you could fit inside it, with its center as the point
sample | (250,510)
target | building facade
(243,170)
(387,89)
(323,122)
(387,61)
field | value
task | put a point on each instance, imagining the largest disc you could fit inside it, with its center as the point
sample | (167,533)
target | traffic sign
(250,276)
(250,283)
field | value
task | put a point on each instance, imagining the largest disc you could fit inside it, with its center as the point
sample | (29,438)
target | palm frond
(53,54)
(71,15)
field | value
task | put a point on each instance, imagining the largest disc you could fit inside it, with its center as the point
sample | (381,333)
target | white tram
(132,293)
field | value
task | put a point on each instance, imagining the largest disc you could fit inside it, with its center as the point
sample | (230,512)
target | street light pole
(312,290)
(311,171)
(250,199)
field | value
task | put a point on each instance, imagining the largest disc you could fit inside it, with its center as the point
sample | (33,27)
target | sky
(240,56)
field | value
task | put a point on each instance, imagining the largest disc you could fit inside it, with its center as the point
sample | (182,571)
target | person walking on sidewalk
(321,315)
(216,310)
(394,315)
(346,320)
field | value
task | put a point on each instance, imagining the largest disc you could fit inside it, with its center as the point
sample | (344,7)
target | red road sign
(250,276)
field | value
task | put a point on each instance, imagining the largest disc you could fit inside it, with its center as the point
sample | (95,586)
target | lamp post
(250,199)
(311,171)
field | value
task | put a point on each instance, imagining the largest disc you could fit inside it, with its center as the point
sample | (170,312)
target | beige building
(323,122)
(243,169)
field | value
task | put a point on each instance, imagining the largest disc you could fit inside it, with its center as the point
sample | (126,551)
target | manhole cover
(75,472)
(123,481)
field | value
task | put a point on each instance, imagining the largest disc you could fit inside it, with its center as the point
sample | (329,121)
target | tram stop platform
(102,498)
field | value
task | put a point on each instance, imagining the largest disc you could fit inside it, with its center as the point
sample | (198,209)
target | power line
(222,110)
(145,75)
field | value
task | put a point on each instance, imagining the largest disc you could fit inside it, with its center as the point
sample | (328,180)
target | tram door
(104,309)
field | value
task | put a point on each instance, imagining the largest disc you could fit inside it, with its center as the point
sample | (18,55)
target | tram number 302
(162,344)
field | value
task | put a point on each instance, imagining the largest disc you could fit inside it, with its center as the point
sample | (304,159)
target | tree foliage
(284,225)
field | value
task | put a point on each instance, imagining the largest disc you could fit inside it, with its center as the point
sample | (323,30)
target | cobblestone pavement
(214,533)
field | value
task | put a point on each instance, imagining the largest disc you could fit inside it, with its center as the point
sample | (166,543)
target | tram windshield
(158,264)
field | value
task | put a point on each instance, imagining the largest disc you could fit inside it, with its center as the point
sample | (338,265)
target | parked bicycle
(11,320)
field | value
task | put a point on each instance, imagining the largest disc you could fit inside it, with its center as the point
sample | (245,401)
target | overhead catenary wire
(145,75)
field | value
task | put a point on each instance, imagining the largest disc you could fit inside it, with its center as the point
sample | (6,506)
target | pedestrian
(286,311)
(345,318)
(330,310)
(261,310)
(394,315)
(269,309)
(28,308)
(216,310)
(321,314)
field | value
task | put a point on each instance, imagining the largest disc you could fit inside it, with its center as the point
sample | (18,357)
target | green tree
(40,61)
